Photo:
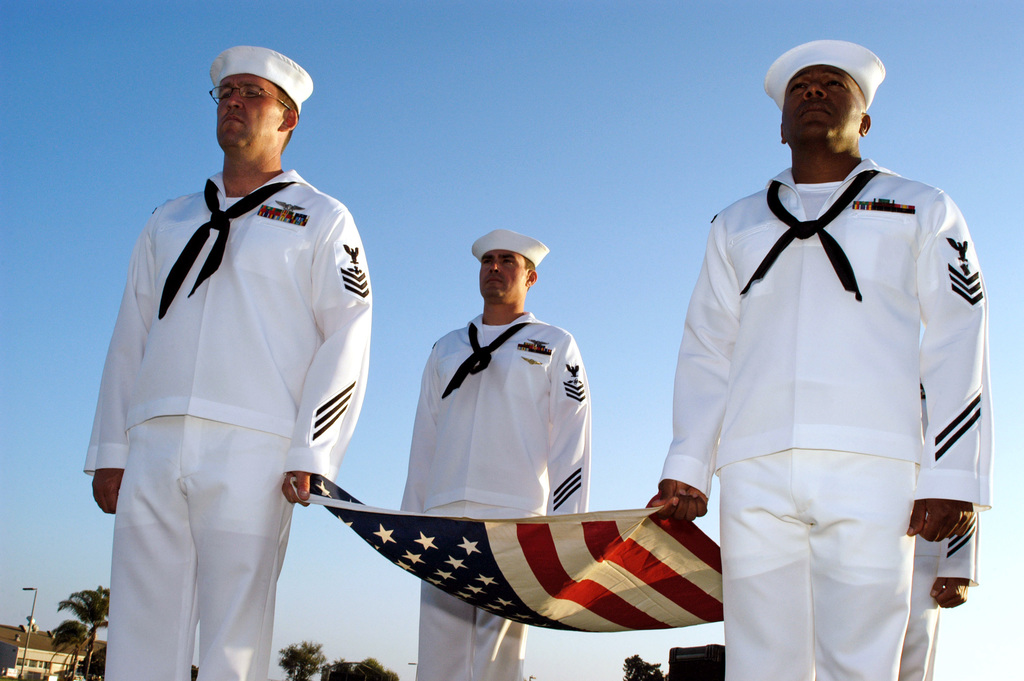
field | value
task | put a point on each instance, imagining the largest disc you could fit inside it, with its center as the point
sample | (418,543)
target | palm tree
(70,635)
(89,607)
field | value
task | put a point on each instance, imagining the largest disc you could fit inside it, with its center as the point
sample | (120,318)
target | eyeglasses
(247,91)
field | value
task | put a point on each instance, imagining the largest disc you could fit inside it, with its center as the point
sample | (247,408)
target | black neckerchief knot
(220,220)
(805,230)
(480,358)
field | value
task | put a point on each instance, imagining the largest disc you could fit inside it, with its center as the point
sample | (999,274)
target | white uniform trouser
(199,536)
(816,565)
(459,642)
(918,661)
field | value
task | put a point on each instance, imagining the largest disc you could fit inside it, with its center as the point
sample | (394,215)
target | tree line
(302,661)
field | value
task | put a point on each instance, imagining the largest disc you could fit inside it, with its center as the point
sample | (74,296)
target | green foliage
(301,661)
(325,671)
(90,608)
(637,670)
(379,672)
(369,669)
(70,636)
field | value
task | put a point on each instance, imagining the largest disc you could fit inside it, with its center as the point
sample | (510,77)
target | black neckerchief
(220,220)
(480,358)
(805,230)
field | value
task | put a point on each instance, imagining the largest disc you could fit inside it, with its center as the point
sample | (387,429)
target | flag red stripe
(604,543)
(539,549)
(690,536)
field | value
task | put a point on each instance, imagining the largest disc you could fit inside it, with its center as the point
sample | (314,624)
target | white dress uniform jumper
(510,438)
(799,382)
(234,358)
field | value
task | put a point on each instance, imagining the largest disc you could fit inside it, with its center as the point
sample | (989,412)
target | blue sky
(611,130)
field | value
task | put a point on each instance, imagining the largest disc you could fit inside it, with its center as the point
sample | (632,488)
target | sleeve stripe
(568,487)
(329,413)
(327,405)
(574,476)
(958,543)
(972,413)
(330,423)
(565,497)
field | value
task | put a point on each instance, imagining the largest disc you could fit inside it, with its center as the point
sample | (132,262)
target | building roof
(41,640)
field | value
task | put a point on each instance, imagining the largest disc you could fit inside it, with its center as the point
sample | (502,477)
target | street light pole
(31,621)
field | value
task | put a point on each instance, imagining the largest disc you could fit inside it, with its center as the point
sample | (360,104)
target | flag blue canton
(454,555)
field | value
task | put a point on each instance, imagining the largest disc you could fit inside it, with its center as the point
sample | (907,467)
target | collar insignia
(531,345)
(884,205)
(284,214)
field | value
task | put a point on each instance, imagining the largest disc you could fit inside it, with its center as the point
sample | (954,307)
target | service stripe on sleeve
(329,413)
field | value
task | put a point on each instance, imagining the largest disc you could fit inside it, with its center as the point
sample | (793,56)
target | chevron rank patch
(540,347)
(884,205)
(286,212)
(354,278)
(574,388)
(963,281)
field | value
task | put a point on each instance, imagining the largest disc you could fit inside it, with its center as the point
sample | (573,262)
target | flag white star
(486,580)
(385,535)
(454,562)
(443,575)
(503,603)
(469,546)
(427,542)
(412,557)
(322,489)
(474,589)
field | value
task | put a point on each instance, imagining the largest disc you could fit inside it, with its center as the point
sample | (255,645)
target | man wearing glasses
(236,369)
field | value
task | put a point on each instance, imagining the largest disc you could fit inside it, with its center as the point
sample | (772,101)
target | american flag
(604,571)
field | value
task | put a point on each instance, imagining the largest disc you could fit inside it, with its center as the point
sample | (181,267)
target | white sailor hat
(506,240)
(864,67)
(265,63)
